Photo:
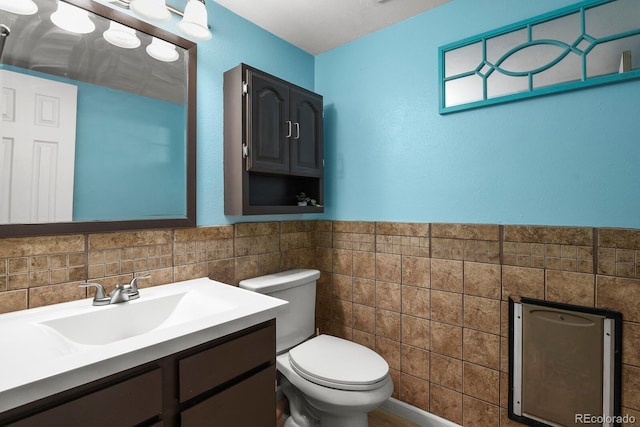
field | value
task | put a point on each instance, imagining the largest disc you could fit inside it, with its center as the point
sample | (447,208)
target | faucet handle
(100,297)
(134,282)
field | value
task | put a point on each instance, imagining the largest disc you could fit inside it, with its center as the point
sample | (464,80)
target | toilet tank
(295,322)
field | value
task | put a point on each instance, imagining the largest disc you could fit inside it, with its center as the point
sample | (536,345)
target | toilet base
(354,420)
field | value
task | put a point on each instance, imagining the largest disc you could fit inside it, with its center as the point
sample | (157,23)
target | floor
(381,418)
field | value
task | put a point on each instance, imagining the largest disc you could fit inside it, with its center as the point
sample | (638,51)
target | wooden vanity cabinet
(273,144)
(226,382)
(129,402)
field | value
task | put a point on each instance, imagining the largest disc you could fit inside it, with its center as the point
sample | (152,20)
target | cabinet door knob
(288,135)
(297,131)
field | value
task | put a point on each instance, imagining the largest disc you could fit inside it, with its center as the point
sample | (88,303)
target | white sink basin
(55,348)
(104,325)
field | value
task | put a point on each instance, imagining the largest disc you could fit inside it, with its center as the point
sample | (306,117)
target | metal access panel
(565,364)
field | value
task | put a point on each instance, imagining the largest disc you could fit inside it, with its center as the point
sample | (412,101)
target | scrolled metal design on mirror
(587,44)
(134,138)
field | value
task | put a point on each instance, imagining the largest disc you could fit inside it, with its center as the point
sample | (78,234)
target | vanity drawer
(128,402)
(249,403)
(210,368)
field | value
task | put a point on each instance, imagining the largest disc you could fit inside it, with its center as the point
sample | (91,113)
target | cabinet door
(250,403)
(306,141)
(268,124)
(126,403)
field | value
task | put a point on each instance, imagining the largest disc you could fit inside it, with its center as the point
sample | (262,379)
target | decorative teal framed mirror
(591,43)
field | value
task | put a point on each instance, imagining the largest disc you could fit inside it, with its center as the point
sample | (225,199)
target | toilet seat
(337,363)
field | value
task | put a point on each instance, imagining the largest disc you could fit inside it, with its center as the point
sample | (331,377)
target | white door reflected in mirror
(37,150)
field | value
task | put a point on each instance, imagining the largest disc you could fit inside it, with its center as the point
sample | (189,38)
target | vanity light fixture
(24,7)
(73,19)
(121,36)
(194,21)
(155,10)
(162,50)
(194,18)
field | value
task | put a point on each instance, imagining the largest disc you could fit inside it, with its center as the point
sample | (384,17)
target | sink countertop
(37,361)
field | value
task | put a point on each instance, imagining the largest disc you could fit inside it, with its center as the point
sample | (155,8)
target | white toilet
(329,381)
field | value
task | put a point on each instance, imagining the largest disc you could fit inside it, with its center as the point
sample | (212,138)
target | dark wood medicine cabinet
(273,144)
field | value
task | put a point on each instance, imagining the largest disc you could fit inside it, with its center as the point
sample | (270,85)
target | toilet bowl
(342,381)
(329,381)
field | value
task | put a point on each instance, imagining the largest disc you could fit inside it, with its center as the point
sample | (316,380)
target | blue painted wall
(133,165)
(565,159)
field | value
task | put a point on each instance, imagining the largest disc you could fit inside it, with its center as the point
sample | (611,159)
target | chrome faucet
(121,293)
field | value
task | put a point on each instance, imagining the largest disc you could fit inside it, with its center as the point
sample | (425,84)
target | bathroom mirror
(587,44)
(128,105)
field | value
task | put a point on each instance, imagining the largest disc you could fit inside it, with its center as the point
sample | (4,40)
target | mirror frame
(16,230)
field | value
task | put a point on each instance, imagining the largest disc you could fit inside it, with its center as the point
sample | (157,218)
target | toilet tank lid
(279,281)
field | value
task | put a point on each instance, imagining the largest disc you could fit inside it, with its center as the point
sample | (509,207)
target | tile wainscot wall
(432,299)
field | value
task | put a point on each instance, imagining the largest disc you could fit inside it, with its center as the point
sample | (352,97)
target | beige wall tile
(416,301)
(190,271)
(630,343)
(631,387)
(415,361)
(29,246)
(388,267)
(55,294)
(343,262)
(482,314)
(483,280)
(13,301)
(619,294)
(388,324)
(481,382)
(403,229)
(389,350)
(446,371)
(364,291)
(342,287)
(571,288)
(388,296)
(619,238)
(446,275)
(466,231)
(360,227)
(252,229)
(446,307)
(446,403)
(582,236)
(446,339)
(342,312)
(415,331)
(416,271)
(123,239)
(481,348)
(222,270)
(522,282)
(364,318)
(479,414)
(324,259)
(364,264)
(414,391)
(364,338)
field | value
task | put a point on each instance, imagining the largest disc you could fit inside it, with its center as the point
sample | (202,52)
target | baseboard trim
(415,415)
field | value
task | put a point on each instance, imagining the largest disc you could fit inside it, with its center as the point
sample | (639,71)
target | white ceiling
(320,25)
